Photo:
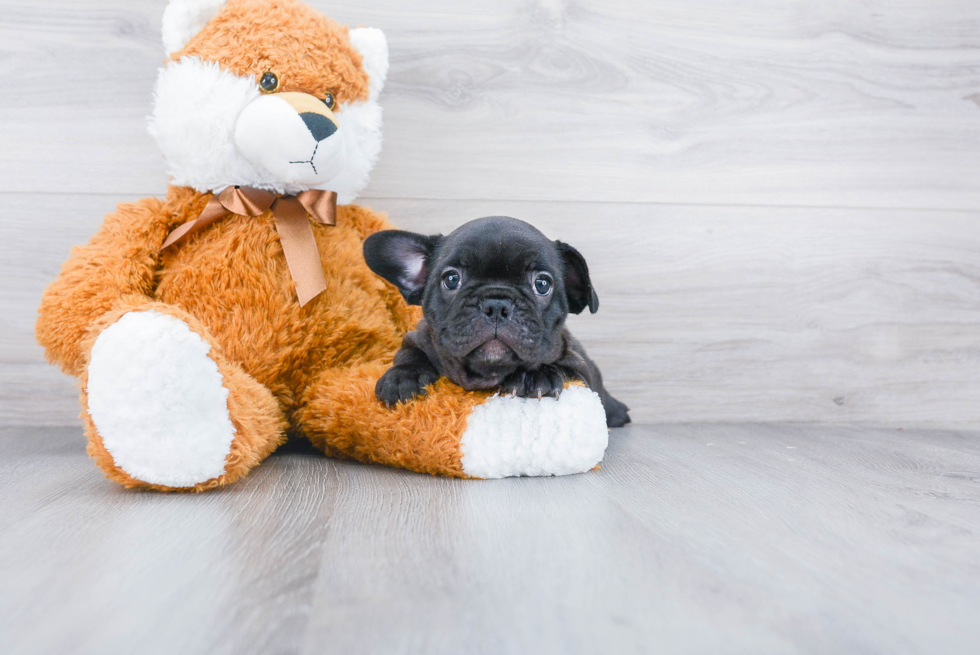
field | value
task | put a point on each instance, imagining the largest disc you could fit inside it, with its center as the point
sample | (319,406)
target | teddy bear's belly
(233,277)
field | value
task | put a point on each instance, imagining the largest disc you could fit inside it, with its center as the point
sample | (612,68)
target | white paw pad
(158,402)
(508,436)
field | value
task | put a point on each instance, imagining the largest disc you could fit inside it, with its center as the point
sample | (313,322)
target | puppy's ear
(403,259)
(578,285)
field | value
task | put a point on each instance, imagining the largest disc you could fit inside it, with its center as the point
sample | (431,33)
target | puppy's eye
(269,82)
(543,284)
(330,101)
(451,280)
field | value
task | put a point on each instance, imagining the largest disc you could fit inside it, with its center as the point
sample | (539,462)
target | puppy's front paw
(402,383)
(544,381)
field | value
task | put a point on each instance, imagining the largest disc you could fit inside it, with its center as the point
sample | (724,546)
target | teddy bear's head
(269,94)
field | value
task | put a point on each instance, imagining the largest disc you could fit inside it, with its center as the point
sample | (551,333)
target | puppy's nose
(497,310)
(319,126)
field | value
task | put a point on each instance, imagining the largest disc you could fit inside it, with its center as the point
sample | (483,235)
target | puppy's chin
(487,365)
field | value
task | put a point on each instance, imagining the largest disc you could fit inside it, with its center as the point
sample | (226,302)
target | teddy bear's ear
(182,19)
(373,46)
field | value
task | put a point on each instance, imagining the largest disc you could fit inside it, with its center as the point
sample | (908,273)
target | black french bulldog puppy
(495,294)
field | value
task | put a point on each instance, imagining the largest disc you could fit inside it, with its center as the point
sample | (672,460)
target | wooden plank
(690,539)
(777,103)
(707,313)
(88,567)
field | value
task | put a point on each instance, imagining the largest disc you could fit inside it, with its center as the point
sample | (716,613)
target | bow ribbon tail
(299,247)
(212,212)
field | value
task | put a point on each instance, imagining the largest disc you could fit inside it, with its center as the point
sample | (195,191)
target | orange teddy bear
(205,326)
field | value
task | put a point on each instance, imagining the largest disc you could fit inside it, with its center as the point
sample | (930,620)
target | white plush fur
(193,122)
(373,46)
(198,106)
(182,19)
(509,436)
(158,402)
(360,127)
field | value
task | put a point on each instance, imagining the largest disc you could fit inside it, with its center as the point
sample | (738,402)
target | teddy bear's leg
(453,432)
(164,410)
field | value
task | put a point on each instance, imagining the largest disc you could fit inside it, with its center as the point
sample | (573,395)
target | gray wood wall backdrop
(780,199)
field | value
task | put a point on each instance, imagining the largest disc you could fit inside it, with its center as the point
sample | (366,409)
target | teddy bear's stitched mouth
(310,160)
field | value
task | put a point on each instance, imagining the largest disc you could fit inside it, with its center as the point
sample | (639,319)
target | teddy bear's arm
(119,260)
(365,222)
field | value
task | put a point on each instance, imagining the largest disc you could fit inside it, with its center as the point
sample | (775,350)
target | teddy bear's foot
(452,432)
(166,412)
(509,436)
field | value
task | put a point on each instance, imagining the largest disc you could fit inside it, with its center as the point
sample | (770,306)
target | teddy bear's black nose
(319,126)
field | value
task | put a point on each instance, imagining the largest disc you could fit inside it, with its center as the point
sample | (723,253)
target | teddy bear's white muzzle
(299,148)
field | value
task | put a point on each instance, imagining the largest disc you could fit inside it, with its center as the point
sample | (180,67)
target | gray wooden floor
(690,539)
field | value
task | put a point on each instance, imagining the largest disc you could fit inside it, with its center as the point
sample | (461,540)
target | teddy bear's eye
(329,101)
(269,82)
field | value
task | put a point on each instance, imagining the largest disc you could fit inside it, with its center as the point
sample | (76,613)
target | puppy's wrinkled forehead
(500,248)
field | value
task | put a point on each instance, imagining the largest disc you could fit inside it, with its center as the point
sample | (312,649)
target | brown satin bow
(292,214)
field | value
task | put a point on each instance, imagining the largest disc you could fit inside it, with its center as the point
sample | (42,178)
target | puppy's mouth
(493,353)
(488,364)
(479,354)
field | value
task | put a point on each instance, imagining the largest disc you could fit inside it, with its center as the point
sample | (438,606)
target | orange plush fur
(217,313)
(310,369)
(244,50)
